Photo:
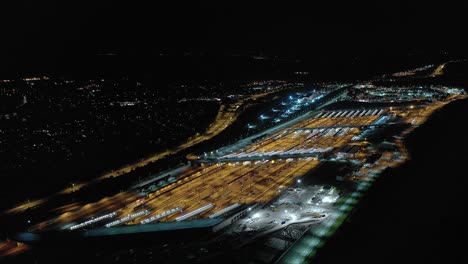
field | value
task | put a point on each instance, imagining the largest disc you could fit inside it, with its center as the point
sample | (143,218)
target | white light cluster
(127,218)
(365,112)
(92,221)
(276,152)
(161,215)
(328,199)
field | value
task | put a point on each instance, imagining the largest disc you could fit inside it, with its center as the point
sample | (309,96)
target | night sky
(50,30)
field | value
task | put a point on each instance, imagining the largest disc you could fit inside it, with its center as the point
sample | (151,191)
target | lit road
(11,248)
(439,70)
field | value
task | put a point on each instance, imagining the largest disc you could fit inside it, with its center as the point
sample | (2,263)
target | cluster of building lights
(38,78)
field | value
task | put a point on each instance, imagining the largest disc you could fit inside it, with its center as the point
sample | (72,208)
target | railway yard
(267,183)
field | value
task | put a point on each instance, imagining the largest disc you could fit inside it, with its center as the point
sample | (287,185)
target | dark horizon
(48,35)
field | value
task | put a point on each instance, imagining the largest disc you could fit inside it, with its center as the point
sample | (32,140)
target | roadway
(439,70)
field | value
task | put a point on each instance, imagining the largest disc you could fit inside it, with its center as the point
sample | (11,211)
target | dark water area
(414,213)
(456,74)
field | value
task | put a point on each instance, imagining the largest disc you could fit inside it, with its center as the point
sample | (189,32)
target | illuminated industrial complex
(264,184)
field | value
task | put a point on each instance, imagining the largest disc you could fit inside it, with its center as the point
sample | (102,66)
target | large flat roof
(158,227)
